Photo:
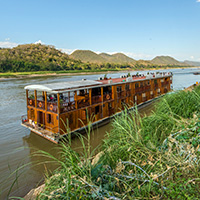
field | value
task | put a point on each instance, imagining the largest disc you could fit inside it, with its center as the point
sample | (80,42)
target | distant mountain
(91,57)
(87,56)
(194,63)
(165,60)
(144,62)
(118,58)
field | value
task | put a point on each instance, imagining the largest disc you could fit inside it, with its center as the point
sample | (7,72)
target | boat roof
(56,87)
(86,84)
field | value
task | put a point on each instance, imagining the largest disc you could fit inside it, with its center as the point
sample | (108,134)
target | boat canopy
(62,86)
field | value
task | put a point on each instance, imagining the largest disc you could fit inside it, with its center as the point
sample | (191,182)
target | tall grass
(154,157)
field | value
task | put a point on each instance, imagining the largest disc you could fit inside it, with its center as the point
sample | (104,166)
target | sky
(142,29)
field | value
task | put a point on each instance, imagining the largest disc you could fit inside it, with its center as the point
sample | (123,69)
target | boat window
(127,87)
(141,84)
(96,91)
(148,82)
(165,79)
(81,92)
(49,119)
(107,89)
(40,96)
(136,85)
(96,110)
(155,81)
(31,95)
(51,97)
(119,88)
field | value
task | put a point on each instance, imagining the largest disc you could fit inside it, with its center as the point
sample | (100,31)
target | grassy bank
(153,157)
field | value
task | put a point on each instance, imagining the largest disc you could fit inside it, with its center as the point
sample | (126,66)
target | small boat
(58,109)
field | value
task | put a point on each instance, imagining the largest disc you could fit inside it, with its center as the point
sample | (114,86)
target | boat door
(41,118)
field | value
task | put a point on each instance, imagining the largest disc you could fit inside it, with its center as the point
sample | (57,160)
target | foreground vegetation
(153,157)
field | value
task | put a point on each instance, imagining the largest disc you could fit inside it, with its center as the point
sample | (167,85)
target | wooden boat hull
(84,129)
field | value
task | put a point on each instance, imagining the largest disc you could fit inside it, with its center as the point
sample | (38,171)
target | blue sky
(141,29)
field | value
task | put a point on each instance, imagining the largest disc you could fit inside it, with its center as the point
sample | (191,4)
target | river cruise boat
(58,109)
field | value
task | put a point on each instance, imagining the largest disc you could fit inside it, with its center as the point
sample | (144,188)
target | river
(17,144)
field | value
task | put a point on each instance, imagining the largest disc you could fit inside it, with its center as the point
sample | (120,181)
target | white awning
(56,87)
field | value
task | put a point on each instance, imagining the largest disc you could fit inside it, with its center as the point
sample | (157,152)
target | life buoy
(51,107)
(107,96)
(31,102)
(40,104)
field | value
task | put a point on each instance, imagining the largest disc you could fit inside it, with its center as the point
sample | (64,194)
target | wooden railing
(111,111)
(165,83)
(41,104)
(83,102)
(96,99)
(142,89)
(147,88)
(52,106)
(107,97)
(31,102)
(121,94)
(67,106)
(128,93)
(155,85)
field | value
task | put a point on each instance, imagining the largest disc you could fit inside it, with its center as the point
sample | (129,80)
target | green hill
(34,57)
(91,57)
(165,60)
(118,58)
(34,53)
(87,56)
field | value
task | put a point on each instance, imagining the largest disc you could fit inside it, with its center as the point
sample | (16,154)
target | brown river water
(17,144)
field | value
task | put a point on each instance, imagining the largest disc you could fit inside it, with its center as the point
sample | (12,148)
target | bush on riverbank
(156,156)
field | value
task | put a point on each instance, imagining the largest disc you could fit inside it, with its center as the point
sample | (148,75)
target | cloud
(191,57)
(139,56)
(8,44)
(67,51)
(198,1)
(39,42)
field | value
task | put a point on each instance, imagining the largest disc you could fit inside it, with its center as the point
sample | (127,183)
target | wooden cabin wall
(52,122)
(78,118)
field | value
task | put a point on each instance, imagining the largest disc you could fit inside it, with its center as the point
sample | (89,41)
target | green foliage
(153,157)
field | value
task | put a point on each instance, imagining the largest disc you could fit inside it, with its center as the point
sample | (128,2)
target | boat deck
(42,132)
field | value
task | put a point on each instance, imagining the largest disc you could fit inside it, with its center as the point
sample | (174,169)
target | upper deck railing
(142,89)
(71,103)
(66,105)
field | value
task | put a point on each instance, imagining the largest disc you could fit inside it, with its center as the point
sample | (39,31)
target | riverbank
(18,75)
(156,156)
